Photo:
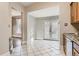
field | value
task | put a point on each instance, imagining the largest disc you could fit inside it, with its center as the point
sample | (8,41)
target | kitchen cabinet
(70,45)
(74,12)
(67,46)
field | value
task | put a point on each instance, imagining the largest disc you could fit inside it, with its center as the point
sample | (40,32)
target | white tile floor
(38,48)
(44,48)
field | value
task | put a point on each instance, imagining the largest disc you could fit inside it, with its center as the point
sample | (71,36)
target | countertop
(72,37)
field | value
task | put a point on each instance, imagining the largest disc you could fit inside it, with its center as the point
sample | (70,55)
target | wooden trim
(76,12)
(74,8)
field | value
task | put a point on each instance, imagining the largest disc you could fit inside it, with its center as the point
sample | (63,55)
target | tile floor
(19,50)
(37,48)
(43,48)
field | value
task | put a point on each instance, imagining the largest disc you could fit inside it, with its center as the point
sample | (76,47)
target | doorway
(15,43)
(16,23)
(43,32)
(16,26)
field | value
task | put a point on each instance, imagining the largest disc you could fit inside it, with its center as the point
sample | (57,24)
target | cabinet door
(73,12)
(77,13)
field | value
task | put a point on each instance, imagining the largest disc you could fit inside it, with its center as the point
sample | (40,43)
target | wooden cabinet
(74,12)
(77,12)
(70,45)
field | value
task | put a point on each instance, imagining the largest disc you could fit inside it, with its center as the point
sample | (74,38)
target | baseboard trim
(6,54)
(51,39)
(24,42)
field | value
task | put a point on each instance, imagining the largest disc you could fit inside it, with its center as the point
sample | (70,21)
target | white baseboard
(24,42)
(6,54)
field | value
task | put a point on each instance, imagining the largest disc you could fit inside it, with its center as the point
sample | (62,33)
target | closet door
(46,30)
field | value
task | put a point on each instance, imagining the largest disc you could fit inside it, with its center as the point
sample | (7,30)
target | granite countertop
(72,37)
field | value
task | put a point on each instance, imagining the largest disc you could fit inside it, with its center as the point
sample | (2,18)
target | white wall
(42,28)
(16,6)
(39,28)
(55,30)
(53,11)
(30,28)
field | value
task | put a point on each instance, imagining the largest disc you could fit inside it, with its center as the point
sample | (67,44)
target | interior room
(39,29)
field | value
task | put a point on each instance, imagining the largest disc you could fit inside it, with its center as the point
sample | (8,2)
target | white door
(47,30)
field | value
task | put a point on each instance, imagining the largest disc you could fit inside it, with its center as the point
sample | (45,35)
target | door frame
(21,17)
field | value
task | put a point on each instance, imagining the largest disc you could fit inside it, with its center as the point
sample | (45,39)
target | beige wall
(64,16)
(16,6)
(5,24)
(4,27)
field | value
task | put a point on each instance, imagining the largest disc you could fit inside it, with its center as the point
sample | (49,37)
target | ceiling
(54,11)
(26,3)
